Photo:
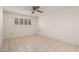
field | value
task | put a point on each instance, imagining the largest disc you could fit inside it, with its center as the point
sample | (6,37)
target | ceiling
(27,10)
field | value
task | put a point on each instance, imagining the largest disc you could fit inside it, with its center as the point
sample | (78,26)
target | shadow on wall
(63,25)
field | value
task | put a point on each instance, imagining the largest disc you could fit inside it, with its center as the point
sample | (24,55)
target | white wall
(63,25)
(1,26)
(13,31)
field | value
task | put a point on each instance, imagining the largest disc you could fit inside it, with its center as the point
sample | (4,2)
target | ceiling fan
(36,9)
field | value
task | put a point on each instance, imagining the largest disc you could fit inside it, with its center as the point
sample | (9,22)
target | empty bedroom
(39,29)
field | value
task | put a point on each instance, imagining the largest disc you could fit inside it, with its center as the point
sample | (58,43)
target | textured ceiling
(28,9)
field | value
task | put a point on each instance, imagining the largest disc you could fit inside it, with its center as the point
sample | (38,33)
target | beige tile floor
(37,43)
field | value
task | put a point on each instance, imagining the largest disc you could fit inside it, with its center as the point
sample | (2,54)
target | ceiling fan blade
(35,7)
(33,12)
(39,11)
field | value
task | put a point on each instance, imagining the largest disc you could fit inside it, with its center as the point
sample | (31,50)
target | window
(25,22)
(16,21)
(21,21)
(29,21)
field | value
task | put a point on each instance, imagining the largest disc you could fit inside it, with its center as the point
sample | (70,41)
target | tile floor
(37,43)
